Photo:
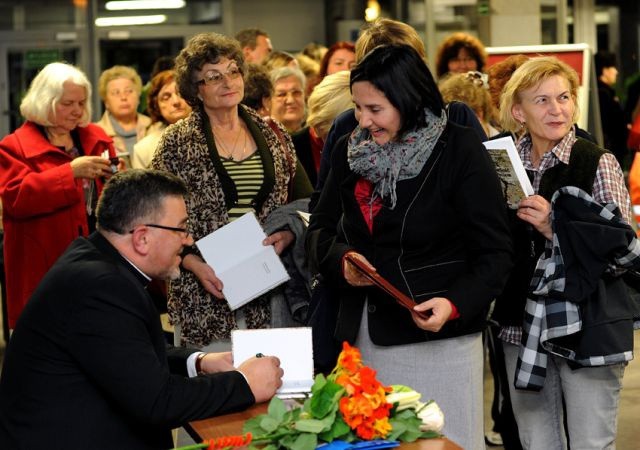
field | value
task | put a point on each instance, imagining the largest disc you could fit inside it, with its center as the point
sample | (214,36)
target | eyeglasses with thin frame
(463,60)
(117,92)
(281,96)
(186,231)
(215,77)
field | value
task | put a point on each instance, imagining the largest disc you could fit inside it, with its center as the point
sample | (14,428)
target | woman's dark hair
(257,86)
(401,75)
(157,83)
(604,59)
(201,49)
(450,47)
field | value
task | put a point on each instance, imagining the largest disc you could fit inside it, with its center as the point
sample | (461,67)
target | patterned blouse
(187,149)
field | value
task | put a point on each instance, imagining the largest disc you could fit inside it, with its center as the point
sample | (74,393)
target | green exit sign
(37,59)
(483,7)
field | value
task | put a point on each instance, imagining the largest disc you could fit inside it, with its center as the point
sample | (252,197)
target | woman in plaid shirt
(539,106)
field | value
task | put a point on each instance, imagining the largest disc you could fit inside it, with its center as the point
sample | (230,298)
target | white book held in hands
(513,177)
(246,267)
(294,348)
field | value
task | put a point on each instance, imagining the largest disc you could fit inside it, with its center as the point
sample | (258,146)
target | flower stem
(193,447)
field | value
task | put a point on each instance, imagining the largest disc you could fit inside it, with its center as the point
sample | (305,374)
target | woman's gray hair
(116,73)
(284,72)
(47,89)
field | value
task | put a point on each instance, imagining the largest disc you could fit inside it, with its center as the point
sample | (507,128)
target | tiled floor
(629,418)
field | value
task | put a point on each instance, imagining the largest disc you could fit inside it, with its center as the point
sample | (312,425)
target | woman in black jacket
(417,198)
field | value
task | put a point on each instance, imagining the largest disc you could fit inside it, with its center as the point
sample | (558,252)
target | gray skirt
(448,371)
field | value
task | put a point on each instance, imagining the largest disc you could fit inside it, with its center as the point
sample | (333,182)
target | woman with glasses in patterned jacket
(233,162)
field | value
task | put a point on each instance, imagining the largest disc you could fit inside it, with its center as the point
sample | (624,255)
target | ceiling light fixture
(130,20)
(372,12)
(144,4)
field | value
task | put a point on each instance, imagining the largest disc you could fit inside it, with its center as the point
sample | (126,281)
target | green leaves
(311,425)
(277,409)
(301,428)
(320,420)
(325,396)
(269,424)
(405,426)
(339,430)
(304,441)
(273,426)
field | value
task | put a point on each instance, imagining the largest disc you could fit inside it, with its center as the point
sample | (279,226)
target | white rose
(432,417)
(405,400)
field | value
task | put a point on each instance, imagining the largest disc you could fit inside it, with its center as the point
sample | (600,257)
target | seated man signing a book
(87,365)
(417,199)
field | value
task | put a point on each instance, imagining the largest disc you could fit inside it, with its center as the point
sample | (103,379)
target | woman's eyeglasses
(215,77)
(478,78)
(281,96)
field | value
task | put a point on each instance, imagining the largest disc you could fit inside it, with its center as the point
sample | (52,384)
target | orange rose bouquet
(350,404)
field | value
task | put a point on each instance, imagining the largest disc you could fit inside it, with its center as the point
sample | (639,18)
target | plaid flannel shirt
(548,315)
(608,187)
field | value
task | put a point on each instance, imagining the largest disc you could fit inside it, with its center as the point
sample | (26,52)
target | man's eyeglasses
(186,231)
(215,77)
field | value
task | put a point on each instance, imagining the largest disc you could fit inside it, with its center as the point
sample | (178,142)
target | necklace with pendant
(228,154)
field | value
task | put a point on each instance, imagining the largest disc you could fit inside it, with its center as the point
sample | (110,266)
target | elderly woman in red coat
(51,172)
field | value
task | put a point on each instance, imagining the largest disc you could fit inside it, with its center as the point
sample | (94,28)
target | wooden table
(231,424)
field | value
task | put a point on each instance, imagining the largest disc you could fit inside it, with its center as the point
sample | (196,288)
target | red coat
(43,206)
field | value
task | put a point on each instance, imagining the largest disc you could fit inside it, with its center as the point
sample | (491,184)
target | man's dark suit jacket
(88,367)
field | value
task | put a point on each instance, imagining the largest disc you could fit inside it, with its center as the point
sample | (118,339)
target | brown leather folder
(383,284)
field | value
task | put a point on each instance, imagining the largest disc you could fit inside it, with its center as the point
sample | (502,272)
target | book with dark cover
(383,284)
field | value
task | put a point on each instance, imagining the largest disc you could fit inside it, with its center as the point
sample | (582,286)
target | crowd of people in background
(387,156)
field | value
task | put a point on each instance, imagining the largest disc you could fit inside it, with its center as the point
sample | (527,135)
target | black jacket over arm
(88,367)
(447,237)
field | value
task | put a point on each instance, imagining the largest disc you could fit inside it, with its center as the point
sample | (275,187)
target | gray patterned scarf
(385,165)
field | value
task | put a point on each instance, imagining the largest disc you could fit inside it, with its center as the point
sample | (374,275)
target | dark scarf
(385,165)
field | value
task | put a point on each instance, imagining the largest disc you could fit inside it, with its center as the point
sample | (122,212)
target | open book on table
(246,267)
(293,346)
(513,177)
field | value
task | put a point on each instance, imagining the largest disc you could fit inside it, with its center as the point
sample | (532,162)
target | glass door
(21,64)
